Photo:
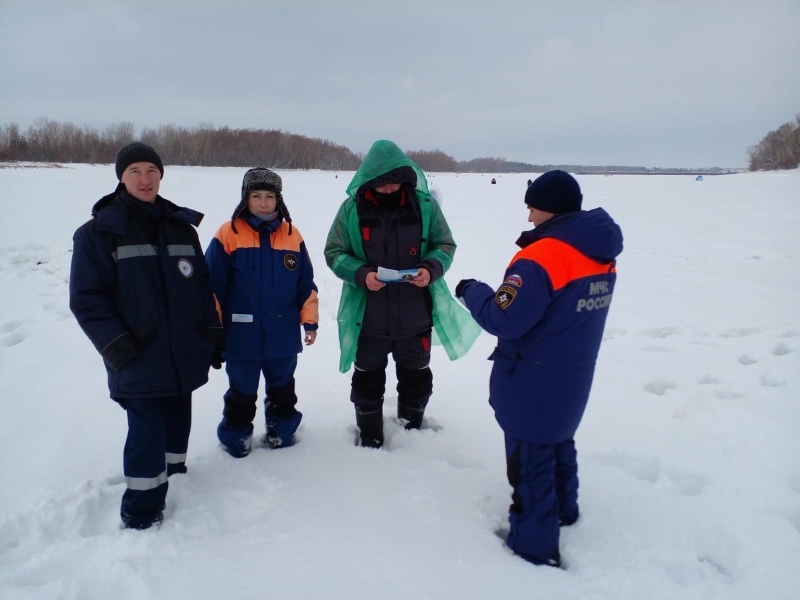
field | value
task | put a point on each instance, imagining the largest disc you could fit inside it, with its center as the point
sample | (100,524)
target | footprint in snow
(659,387)
(677,481)
(661,332)
(13,332)
(781,349)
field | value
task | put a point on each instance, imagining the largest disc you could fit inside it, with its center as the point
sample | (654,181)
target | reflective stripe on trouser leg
(177,427)
(144,462)
(143,484)
(174,459)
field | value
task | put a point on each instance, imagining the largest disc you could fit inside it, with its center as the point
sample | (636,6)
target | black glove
(217,337)
(217,360)
(120,352)
(461,285)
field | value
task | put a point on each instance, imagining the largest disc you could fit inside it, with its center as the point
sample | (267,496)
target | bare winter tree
(779,149)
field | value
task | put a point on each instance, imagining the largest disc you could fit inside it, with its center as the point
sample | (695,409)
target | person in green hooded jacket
(391,246)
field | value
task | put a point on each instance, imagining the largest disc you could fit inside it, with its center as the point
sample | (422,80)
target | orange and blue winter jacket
(263,280)
(548,315)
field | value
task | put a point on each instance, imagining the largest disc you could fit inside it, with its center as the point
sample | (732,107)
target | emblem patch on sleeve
(505,296)
(290,262)
(185,267)
(514,280)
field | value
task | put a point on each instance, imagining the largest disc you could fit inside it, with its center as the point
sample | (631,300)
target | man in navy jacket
(139,288)
(548,315)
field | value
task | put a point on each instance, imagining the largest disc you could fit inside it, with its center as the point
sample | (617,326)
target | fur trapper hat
(261,178)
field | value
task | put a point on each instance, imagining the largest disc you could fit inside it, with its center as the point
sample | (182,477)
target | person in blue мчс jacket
(548,315)
(140,291)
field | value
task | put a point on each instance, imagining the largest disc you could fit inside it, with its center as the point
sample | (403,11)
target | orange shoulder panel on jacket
(243,237)
(562,262)
(281,240)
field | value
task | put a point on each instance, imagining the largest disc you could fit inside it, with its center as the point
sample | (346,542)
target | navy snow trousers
(156,446)
(544,478)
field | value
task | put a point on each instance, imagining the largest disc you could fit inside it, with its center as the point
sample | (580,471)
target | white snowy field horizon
(688,452)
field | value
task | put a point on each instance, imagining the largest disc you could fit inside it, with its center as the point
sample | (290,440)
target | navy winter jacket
(548,315)
(140,291)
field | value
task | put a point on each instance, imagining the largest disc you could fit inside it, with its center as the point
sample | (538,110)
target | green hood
(384,156)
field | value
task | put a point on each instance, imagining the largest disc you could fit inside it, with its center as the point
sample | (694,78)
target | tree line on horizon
(779,149)
(205,145)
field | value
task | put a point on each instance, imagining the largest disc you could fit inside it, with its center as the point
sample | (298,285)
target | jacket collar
(112,214)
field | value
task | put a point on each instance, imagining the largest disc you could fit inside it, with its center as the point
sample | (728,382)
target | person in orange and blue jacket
(262,278)
(548,315)
(140,291)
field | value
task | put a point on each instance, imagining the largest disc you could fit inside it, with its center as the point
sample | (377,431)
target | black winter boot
(410,417)
(370,426)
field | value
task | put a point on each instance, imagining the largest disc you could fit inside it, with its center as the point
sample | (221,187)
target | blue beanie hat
(556,192)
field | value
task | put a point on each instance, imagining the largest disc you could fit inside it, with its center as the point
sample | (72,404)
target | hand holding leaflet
(394,276)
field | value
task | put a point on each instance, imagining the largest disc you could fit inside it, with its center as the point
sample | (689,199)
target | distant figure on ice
(548,315)
(140,291)
(389,220)
(529,182)
(262,277)
(494,181)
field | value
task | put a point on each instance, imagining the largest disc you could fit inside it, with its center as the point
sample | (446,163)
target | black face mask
(389,201)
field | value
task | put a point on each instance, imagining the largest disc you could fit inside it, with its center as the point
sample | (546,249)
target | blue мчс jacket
(138,276)
(549,315)
(263,280)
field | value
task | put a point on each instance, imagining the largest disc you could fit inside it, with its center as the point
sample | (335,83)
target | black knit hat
(261,178)
(137,152)
(556,192)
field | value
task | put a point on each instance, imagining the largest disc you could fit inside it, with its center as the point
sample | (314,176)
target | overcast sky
(668,84)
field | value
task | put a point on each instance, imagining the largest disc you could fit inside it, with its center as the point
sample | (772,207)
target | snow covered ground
(690,479)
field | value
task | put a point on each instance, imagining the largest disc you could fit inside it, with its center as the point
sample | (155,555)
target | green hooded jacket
(453,326)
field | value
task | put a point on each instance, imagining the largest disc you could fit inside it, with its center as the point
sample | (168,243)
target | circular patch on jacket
(514,280)
(505,296)
(186,268)
(290,262)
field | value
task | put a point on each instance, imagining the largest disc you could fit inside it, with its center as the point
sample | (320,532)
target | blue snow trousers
(544,478)
(156,446)
(244,375)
